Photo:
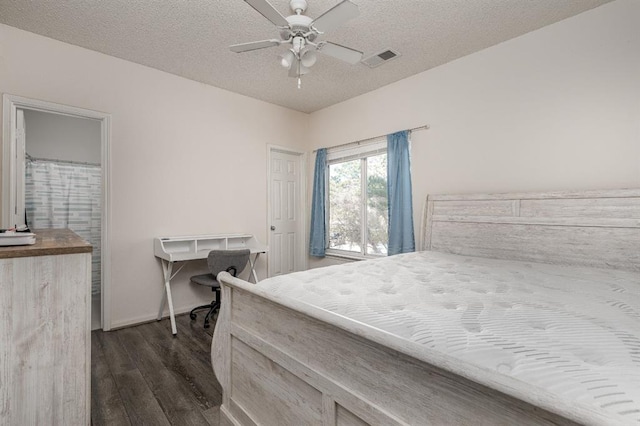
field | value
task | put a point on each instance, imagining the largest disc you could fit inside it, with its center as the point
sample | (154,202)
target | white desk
(196,247)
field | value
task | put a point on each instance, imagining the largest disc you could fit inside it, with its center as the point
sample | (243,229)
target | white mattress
(574,332)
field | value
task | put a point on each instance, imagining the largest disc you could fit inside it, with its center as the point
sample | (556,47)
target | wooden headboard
(590,228)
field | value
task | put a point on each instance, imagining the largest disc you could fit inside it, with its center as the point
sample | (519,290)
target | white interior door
(286,238)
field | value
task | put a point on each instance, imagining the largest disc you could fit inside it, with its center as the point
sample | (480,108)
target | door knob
(273,228)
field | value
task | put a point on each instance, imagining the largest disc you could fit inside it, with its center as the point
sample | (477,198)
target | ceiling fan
(301,31)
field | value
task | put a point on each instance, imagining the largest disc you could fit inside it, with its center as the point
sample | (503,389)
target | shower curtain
(66,195)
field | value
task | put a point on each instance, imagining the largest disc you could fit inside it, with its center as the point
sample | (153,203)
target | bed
(521,309)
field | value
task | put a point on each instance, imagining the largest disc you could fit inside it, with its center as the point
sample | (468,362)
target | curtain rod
(53,160)
(425,127)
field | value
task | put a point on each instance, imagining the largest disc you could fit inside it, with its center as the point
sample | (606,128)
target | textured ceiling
(190,38)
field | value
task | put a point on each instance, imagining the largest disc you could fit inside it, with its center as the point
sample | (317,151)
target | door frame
(11,103)
(302,203)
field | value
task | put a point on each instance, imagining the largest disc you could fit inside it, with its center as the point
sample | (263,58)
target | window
(357,201)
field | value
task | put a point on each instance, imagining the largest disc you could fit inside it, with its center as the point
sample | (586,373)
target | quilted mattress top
(571,331)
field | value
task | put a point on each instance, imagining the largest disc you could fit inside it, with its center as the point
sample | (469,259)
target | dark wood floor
(143,376)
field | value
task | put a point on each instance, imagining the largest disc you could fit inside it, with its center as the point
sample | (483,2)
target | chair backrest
(223,260)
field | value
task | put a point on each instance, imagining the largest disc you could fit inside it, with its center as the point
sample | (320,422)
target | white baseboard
(146,318)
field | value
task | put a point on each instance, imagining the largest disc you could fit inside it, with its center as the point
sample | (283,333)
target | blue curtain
(317,239)
(401,237)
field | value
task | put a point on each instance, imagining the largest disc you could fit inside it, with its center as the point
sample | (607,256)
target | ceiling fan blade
(336,16)
(254,45)
(268,11)
(337,51)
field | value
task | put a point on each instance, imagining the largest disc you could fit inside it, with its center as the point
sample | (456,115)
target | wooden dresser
(45,331)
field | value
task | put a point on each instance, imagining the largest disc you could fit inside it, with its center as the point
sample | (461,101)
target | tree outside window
(358,212)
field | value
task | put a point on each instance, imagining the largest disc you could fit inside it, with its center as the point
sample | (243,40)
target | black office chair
(232,261)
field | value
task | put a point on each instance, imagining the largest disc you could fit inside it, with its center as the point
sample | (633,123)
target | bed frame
(282,362)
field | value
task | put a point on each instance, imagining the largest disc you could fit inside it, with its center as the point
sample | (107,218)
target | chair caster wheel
(192,316)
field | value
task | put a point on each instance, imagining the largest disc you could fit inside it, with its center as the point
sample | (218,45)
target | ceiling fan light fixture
(303,70)
(308,57)
(300,31)
(286,59)
(298,44)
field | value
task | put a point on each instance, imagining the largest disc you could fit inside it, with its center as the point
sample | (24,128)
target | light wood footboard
(280,366)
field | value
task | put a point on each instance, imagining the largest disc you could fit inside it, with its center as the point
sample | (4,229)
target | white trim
(20,169)
(302,224)
(8,163)
(11,103)
(351,255)
(151,317)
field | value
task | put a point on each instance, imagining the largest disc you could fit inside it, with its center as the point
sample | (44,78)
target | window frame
(341,155)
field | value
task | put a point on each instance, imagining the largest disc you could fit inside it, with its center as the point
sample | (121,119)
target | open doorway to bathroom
(63,182)
(55,176)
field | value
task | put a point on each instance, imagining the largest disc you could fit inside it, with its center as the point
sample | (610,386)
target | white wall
(61,137)
(555,109)
(558,108)
(186,158)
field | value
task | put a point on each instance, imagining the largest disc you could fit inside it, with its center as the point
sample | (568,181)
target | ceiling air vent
(380,58)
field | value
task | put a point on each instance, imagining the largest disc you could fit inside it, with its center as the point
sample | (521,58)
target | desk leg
(167,268)
(253,262)
(162,302)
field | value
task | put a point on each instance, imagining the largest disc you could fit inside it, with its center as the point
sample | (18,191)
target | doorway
(286,179)
(55,161)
